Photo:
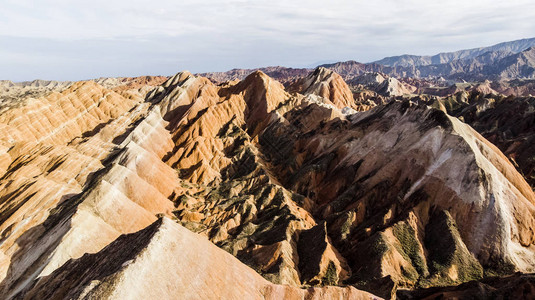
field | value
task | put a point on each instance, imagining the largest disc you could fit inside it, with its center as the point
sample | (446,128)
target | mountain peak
(327,84)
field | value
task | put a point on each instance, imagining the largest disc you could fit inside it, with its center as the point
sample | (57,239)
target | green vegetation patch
(330,277)
(409,247)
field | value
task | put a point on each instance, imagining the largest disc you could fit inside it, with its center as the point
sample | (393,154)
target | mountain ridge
(407,60)
(293,183)
(477,64)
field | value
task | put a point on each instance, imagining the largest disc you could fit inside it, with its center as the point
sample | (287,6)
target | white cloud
(163,36)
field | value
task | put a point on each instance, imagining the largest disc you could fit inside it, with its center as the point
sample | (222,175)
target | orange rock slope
(303,191)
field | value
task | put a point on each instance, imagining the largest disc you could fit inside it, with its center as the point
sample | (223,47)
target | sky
(76,40)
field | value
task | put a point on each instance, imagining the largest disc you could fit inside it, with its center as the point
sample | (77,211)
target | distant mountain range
(504,61)
(447,57)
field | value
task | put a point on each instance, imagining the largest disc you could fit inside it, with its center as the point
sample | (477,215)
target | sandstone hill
(164,261)
(382,84)
(508,122)
(180,187)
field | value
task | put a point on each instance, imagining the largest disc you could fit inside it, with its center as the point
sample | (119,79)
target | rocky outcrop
(310,164)
(393,87)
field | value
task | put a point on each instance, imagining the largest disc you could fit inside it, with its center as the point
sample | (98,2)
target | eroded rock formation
(302,189)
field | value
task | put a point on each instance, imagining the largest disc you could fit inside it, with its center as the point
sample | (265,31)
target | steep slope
(380,178)
(234,200)
(159,262)
(521,65)
(54,196)
(393,87)
(509,123)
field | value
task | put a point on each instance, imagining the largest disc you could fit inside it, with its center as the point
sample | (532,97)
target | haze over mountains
(448,57)
(347,181)
(504,61)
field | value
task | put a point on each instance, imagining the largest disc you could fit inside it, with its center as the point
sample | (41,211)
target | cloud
(60,39)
